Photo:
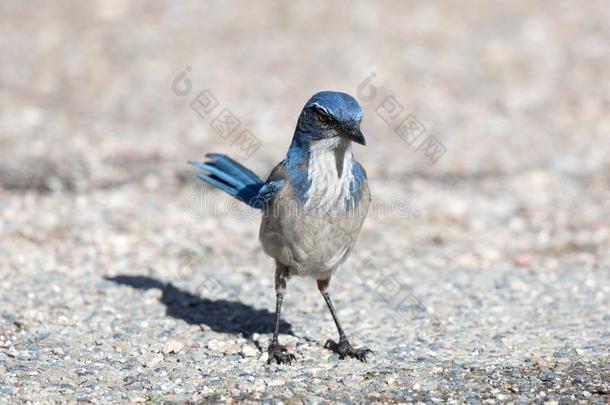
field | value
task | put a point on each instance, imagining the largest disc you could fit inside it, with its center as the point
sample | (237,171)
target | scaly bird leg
(276,351)
(343,348)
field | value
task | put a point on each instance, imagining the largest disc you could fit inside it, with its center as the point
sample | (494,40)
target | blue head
(329,116)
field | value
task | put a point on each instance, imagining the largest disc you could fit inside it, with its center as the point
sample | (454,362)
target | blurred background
(512,91)
(506,87)
(94,136)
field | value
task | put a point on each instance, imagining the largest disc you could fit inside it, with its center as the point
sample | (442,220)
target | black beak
(355,134)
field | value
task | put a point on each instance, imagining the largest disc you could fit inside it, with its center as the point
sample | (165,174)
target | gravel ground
(484,277)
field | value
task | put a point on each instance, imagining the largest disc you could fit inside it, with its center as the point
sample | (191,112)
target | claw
(330,344)
(344,349)
(279,354)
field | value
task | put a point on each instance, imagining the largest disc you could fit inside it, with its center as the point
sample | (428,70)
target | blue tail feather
(231,177)
(225,163)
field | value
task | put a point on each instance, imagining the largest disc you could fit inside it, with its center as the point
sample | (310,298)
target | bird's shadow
(224,316)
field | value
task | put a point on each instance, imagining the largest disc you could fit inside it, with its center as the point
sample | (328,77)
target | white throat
(330,179)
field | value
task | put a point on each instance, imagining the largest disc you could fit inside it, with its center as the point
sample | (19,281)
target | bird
(313,204)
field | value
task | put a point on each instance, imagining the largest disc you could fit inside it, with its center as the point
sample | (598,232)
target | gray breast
(314,239)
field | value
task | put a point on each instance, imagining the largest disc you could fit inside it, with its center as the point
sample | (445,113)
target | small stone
(249,351)
(231,349)
(390,380)
(275,383)
(19,324)
(63,320)
(245,386)
(416,387)
(216,345)
(289,341)
(58,351)
(152,360)
(153,293)
(521,260)
(352,381)
(172,346)
(313,371)
(546,375)
(259,386)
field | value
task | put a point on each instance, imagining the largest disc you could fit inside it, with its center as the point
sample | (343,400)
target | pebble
(172,346)
(263,358)
(259,386)
(245,386)
(231,349)
(218,345)
(153,294)
(275,382)
(546,375)
(249,351)
(390,380)
(152,360)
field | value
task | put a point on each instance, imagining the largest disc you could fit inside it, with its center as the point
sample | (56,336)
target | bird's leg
(343,348)
(276,351)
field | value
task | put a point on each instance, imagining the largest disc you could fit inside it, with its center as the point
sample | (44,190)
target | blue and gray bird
(313,203)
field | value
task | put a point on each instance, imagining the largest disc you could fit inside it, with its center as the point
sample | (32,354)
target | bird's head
(330,118)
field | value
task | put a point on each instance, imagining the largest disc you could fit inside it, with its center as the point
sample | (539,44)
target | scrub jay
(313,203)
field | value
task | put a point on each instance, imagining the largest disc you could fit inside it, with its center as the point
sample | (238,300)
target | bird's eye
(323,117)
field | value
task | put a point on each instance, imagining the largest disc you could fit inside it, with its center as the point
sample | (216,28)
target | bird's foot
(279,354)
(344,349)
